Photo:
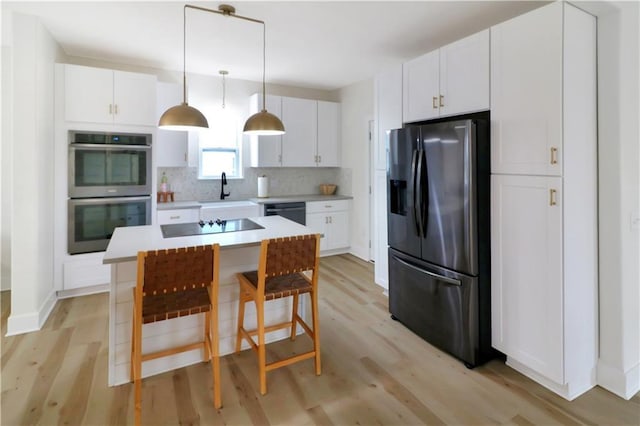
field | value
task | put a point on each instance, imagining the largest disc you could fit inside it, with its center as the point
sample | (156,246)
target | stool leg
(137,368)
(316,330)
(262,354)
(208,353)
(241,303)
(294,315)
(215,368)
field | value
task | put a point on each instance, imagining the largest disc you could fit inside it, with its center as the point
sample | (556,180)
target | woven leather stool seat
(282,286)
(282,272)
(160,307)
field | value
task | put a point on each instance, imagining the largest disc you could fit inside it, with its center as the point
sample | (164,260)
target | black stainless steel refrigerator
(439,240)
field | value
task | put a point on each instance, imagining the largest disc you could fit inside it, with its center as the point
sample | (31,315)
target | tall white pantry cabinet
(544,196)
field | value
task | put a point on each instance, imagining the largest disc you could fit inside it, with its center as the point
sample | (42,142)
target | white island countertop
(126,242)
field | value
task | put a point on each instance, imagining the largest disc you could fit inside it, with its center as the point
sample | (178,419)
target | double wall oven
(109,185)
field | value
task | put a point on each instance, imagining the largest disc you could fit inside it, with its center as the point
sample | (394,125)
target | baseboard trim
(625,384)
(33,321)
(85,291)
(568,391)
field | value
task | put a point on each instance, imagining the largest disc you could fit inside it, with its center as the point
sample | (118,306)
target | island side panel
(163,334)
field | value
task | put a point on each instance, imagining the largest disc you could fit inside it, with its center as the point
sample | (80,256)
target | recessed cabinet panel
(388,112)
(300,140)
(526,93)
(464,75)
(328,134)
(134,98)
(266,151)
(88,94)
(170,145)
(421,87)
(527,281)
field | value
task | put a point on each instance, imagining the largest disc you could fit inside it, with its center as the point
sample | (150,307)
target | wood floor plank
(401,393)
(187,414)
(374,371)
(46,374)
(74,408)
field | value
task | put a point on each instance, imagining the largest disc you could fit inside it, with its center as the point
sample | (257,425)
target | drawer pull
(552,197)
(554,155)
(434,102)
(174,217)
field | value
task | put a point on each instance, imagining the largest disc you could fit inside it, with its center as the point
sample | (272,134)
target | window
(219,148)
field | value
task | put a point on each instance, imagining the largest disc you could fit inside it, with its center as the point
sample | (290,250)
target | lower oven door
(92,220)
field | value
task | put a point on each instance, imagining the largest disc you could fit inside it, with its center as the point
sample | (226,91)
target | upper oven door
(109,170)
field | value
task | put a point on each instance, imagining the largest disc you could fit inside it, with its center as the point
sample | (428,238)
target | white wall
(619,195)
(33,54)
(357,109)
(6,155)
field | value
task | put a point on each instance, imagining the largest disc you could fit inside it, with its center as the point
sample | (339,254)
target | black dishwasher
(292,211)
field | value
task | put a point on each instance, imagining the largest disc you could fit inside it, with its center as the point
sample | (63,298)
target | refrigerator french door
(438,224)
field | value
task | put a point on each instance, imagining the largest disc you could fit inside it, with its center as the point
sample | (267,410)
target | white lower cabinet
(85,271)
(178,216)
(526,225)
(331,219)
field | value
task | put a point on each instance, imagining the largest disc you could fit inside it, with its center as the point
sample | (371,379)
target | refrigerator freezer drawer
(438,305)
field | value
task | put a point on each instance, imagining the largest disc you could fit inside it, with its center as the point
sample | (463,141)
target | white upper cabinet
(266,151)
(170,145)
(328,149)
(301,138)
(526,93)
(464,75)
(312,137)
(421,87)
(97,95)
(451,80)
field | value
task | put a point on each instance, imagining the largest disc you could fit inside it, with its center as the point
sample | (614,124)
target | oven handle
(107,200)
(109,147)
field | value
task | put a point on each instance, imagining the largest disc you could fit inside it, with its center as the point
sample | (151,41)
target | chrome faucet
(223,183)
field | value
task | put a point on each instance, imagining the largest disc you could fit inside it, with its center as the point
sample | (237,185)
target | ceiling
(324,45)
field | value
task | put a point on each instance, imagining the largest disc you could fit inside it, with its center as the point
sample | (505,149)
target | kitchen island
(239,251)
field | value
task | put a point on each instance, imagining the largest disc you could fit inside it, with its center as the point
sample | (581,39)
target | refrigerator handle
(418,191)
(414,180)
(447,280)
(424,203)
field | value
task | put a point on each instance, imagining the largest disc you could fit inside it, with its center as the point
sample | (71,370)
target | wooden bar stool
(174,283)
(279,275)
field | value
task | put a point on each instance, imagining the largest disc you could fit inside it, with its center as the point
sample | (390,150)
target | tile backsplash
(184,182)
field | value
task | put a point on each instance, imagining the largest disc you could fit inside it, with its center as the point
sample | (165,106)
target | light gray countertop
(298,198)
(267,200)
(127,241)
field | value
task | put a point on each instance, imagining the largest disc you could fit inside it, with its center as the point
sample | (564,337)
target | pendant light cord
(184,54)
(264,66)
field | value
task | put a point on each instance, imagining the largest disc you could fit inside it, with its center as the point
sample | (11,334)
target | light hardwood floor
(375,371)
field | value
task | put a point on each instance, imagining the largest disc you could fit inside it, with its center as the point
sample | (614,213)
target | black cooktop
(204,228)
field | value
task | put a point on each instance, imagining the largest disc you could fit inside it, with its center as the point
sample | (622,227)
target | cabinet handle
(279,158)
(552,197)
(554,155)
(327,206)
(319,158)
(441,100)
(110,109)
(174,217)
(326,220)
(434,102)
(116,108)
(330,219)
